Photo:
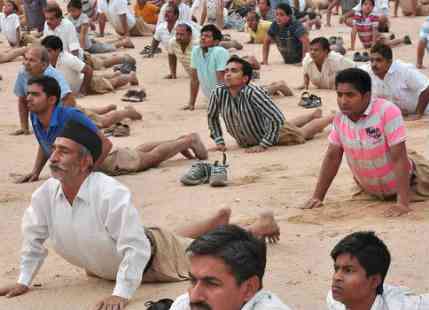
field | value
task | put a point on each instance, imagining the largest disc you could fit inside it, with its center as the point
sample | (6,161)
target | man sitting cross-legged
(104,234)
(251,117)
(361,262)
(227,265)
(48,118)
(370,132)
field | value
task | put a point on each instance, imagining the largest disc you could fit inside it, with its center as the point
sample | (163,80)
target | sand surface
(299,267)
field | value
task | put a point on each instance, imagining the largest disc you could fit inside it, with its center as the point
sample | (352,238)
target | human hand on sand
(189,107)
(26,178)
(397,210)
(111,303)
(313,203)
(13,290)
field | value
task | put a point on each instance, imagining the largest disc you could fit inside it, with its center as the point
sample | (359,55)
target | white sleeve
(35,231)
(72,38)
(161,15)
(416,80)
(125,227)
(15,21)
(75,63)
(101,6)
(195,6)
(181,303)
(121,7)
(157,34)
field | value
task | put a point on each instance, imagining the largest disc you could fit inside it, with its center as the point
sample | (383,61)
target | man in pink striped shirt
(371,134)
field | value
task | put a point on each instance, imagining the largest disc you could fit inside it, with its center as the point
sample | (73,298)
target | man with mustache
(370,132)
(227,265)
(91,222)
(361,262)
(398,82)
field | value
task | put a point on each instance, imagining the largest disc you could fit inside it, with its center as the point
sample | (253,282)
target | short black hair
(323,42)
(53,7)
(246,67)
(77,4)
(268,2)
(285,8)
(359,78)
(372,1)
(217,34)
(371,252)
(14,5)
(384,50)
(52,42)
(241,251)
(186,26)
(50,86)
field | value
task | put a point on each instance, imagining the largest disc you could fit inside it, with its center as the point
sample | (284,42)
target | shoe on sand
(219,173)
(198,174)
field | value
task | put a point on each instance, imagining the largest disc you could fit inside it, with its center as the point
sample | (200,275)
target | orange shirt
(149,12)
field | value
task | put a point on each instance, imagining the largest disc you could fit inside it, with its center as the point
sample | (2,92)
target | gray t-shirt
(77,23)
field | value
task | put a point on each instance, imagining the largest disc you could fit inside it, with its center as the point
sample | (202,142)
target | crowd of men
(89,216)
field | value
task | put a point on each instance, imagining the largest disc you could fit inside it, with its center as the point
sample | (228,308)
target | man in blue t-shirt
(36,63)
(48,118)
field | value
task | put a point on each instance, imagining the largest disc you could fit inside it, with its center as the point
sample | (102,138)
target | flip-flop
(310,101)
(134,96)
(118,130)
(305,96)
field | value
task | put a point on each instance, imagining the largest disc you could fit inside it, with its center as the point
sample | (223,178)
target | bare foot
(132,113)
(198,146)
(127,43)
(133,79)
(21,132)
(111,107)
(266,227)
(317,113)
(222,217)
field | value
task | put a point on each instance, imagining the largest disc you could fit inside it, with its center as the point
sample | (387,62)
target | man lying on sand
(104,236)
(251,116)
(361,262)
(371,133)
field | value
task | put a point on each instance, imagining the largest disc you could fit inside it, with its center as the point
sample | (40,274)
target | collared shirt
(393,298)
(21,82)
(113,9)
(207,65)
(71,67)
(100,232)
(260,34)
(333,64)
(402,85)
(83,19)
(184,13)
(68,35)
(287,39)
(367,142)
(184,57)
(251,117)
(60,116)
(163,35)
(8,26)
(263,300)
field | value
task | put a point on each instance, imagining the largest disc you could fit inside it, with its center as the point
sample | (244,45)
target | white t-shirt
(113,9)
(8,25)
(393,298)
(68,35)
(71,67)
(263,300)
(184,13)
(401,85)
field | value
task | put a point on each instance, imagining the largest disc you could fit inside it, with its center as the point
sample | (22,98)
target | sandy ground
(299,267)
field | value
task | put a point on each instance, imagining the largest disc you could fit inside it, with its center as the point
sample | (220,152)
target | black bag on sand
(162,304)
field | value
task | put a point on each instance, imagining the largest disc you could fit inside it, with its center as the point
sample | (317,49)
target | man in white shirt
(121,18)
(398,82)
(105,237)
(321,65)
(9,23)
(63,28)
(361,263)
(166,30)
(80,75)
(184,11)
(227,265)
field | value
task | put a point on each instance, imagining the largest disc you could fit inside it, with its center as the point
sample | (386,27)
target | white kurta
(101,232)
(393,298)
(263,300)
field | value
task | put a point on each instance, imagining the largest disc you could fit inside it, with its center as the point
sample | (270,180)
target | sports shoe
(198,174)
(219,174)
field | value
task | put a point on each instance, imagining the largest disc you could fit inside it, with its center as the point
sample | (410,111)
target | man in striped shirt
(251,117)
(371,134)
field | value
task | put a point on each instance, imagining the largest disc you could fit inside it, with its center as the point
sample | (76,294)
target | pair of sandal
(134,95)
(118,130)
(309,101)
(358,57)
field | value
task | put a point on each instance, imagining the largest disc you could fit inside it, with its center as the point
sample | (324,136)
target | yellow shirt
(261,32)
(149,12)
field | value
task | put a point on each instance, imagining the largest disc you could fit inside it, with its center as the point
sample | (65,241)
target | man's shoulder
(181,303)
(264,300)
(48,188)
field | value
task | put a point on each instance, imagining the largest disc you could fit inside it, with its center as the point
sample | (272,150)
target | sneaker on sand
(219,174)
(198,174)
